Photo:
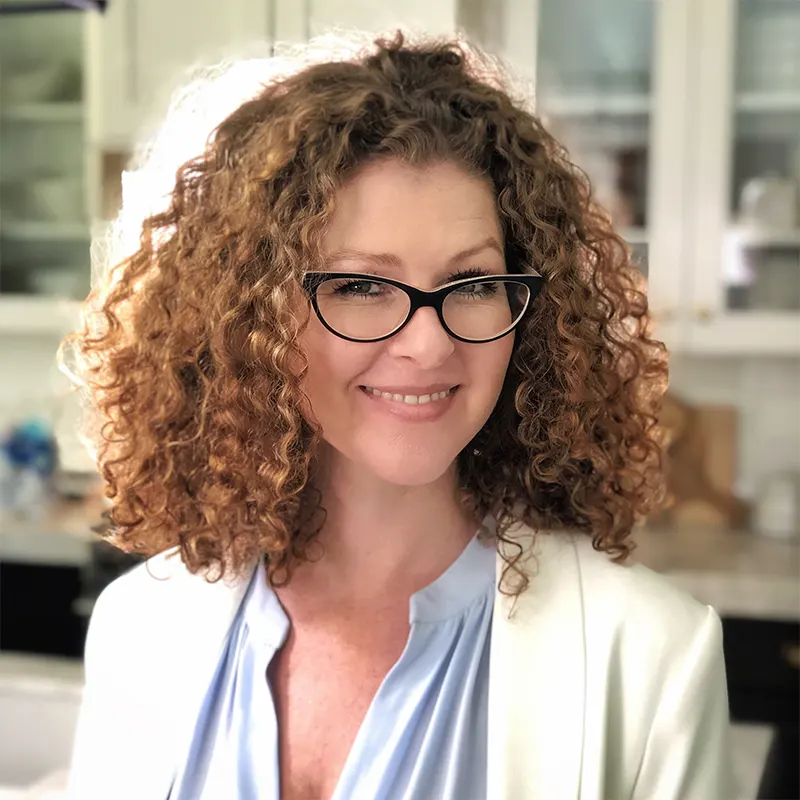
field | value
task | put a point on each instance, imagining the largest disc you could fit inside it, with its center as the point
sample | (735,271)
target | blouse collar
(469,579)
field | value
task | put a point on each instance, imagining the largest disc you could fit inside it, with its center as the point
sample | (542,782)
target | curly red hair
(191,356)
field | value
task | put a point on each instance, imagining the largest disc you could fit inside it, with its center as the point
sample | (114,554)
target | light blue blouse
(424,734)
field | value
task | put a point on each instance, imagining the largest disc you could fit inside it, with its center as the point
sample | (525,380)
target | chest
(323,685)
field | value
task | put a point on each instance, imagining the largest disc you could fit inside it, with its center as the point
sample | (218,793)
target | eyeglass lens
(371,309)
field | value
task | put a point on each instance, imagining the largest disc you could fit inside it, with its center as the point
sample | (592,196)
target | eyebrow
(392,261)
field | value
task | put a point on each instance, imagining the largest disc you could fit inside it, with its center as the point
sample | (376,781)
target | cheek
(490,364)
(333,365)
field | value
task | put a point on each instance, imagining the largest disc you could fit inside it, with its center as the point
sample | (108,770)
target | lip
(428,412)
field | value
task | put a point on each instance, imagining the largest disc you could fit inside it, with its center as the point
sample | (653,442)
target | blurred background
(686,116)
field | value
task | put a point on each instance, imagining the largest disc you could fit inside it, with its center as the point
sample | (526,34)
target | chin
(409,469)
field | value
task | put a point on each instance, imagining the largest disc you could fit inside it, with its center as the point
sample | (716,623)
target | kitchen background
(686,115)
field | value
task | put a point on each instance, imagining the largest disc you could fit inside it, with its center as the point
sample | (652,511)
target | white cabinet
(139,51)
(610,80)
(686,115)
(39,703)
(297,21)
(677,110)
(505,26)
(745,178)
(44,233)
(436,17)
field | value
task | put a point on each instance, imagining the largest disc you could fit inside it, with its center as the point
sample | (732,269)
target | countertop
(59,533)
(24,671)
(739,574)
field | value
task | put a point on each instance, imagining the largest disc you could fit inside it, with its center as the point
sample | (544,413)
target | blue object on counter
(27,460)
(31,445)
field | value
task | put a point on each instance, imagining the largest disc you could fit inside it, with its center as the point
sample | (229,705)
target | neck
(378,535)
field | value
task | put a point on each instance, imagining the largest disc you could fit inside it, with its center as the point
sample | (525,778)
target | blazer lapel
(535,746)
(207,610)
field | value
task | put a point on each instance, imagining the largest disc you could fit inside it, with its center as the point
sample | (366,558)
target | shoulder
(153,641)
(159,575)
(145,593)
(626,585)
(630,659)
(626,624)
(159,603)
(654,656)
(164,578)
(625,602)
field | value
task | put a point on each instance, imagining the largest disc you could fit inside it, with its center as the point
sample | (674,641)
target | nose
(423,339)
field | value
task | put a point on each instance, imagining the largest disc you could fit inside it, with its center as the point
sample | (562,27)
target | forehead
(412,211)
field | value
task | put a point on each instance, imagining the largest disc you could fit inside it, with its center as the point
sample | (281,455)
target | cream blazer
(606,683)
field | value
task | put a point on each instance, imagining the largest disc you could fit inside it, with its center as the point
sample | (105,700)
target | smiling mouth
(411,399)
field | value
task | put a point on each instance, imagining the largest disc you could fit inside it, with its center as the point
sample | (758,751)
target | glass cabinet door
(595,83)
(44,235)
(761,259)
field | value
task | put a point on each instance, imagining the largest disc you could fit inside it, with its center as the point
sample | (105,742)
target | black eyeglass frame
(421,298)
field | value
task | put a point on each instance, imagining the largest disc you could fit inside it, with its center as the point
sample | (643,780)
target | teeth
(410,399)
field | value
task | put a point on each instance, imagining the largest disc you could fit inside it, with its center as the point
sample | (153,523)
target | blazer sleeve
(688,751)
(94,741)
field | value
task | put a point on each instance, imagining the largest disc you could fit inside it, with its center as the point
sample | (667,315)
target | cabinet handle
(704,314)
(791,654)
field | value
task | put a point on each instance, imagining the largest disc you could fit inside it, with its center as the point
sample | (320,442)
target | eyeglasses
(366,308)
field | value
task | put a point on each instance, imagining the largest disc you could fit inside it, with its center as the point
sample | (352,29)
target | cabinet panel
(44,236)
(610,84)
(139,51)
(196,32)
(745,173)
(761,255)
(506,27)
(594,84)
(438,17)
(36,614)
(109,93)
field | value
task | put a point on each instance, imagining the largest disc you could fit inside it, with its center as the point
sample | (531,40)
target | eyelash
(472,272)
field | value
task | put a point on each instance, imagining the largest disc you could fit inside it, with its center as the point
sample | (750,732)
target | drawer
(762,656)
(36,609)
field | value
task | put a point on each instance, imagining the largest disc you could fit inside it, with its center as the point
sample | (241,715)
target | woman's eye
(479,289)
(357,287)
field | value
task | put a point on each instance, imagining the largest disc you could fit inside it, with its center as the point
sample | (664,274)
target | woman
(378,403)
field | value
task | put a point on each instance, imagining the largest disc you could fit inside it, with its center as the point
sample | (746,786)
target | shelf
(44,113)
(747,333)
(596,105)
(764,237)
(759,102)
(46,231)
(29,314)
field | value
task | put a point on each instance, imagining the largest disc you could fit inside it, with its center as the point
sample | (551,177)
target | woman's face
(423,227)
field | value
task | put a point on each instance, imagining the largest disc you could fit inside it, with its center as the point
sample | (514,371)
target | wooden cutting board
(702,446)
